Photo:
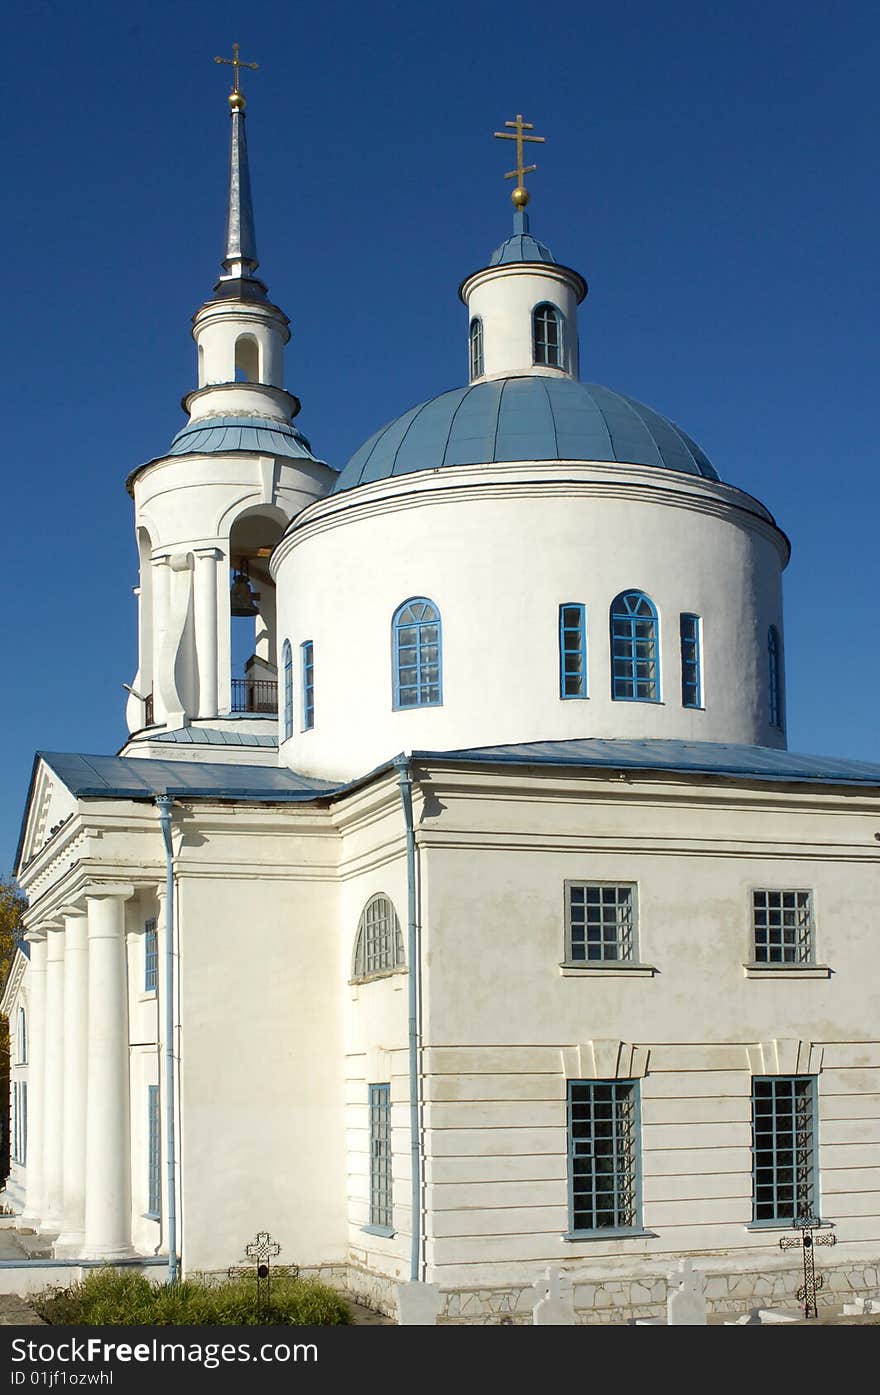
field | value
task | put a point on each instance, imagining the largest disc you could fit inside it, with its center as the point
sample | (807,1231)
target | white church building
(484,922)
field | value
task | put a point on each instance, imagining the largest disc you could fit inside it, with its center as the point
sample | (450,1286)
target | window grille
(634,665)
(151,956)
(783,1148)
(154,1186)
(547,336)
(783,927)
(774,659)
(602,1155)
(379,943)
(19,1121)
(417,654)
(572,651)
(287,668)
(22,1044)
(380,1156)
(308,684)
(600,922)
(691,677)
(476,348)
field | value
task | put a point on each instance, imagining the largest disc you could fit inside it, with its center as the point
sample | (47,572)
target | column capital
(98,891)
(35,937)
(207,554)
(73,908)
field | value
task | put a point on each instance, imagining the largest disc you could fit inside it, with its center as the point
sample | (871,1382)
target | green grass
(120,1297)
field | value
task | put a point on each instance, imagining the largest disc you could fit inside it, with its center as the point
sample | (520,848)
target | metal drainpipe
(164,804)
(404,780)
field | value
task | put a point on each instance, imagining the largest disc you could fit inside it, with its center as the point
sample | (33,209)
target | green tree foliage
(12,905)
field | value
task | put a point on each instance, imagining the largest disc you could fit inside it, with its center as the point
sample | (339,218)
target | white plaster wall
(498,550)
(495,1078)
(503,298)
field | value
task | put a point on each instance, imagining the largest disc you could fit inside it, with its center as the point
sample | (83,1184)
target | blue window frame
(22,1045)
(151,956)
(417,642)
(634,648)
(784,1171)
(782,923)
(475,341)
(287,671)
(154,1185)
(308,684)
(691,667)
(380,1159)
(19,1121)
(774,661)
(572,650)
(547,335)
(600,922)
(603,1161)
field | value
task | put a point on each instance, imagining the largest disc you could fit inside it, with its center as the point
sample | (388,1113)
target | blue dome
(219,435)
(522,247)
(524,418)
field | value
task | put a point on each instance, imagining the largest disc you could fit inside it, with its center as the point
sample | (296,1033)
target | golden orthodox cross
(519,127)
(237,63)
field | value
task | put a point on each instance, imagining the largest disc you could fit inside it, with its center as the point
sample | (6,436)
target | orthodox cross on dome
(236,96)
(520,195)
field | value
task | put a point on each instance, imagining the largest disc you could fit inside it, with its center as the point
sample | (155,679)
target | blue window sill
(609,1234)
(414,706)
(152,1215)
(657,702)
(386,1231)
(785,1225)
(771,970)
(587,968)
(574,697)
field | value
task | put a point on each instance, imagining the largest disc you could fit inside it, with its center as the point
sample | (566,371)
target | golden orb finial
(520,197)
(237,101)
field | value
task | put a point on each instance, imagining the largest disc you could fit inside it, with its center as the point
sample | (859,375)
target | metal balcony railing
(254,695)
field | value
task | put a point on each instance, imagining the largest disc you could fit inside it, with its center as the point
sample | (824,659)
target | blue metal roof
(521,247)
(686,757)
(126,777)
(528,417)
(220,435)
(211,736)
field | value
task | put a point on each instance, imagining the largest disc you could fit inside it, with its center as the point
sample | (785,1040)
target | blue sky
(711,170)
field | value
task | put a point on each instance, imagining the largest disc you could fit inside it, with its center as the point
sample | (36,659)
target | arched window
(476,348)
(247,359)
(634,656)
(287,668)
(417,649)
(547,335)
(378,947)
(774,659)
(21,1046)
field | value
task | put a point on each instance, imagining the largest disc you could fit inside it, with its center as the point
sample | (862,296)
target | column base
(49,1226)
(69,1245)
(108,1252)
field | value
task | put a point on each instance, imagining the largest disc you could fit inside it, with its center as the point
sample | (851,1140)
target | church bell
(242,597)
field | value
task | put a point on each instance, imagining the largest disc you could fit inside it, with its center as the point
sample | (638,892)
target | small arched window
(287,671)
(476,348)
(547,335)
(247,359)
(416,632)
(634,650)
(21,1045)
(774,660)
(378,947)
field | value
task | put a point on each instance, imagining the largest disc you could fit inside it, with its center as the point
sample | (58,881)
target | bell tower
(209,512)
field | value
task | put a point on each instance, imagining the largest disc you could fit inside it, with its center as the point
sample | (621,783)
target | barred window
(783,927)
(380,1158)
(600,922)
(634,649)
(308,684)
(547,335)
(22,1043)
(151,956)
(154,1185)
(691,676)
(603,1155)
(783,1148)
(379,943)
(572,651)
(417,653)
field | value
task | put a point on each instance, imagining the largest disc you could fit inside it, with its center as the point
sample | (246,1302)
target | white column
(108,1167)
(36,981)
(53,1082)
(205,605)
(76,1014)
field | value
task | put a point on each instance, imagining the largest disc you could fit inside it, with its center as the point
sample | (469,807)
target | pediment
(50,804)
